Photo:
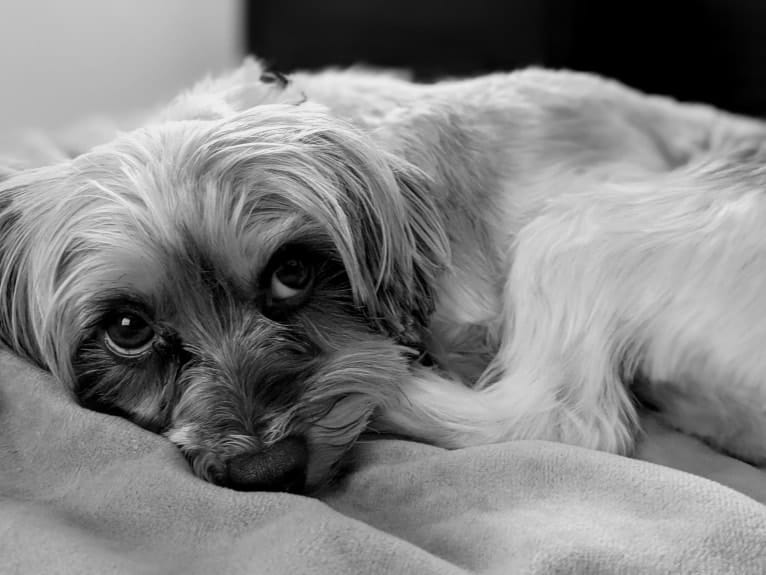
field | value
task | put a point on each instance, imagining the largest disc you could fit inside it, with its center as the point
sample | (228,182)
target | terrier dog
(271,266)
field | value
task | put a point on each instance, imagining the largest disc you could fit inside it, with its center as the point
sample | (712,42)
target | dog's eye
(128,334)
(290,278)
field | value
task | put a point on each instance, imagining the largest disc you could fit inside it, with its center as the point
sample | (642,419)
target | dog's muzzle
(278,467)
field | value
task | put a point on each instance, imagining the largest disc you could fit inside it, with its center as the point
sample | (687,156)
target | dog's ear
(25,203)
(406,297)
(398,244)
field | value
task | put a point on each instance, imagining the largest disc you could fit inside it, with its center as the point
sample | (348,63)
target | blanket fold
(82,492)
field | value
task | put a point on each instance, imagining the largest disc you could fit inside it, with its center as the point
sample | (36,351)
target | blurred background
(61,61)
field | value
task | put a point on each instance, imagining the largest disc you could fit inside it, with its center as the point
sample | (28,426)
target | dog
(270,266)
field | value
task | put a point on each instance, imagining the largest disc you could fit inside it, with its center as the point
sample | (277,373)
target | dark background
(702,50)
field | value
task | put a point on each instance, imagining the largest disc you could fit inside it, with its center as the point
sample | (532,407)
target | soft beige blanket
(82,492)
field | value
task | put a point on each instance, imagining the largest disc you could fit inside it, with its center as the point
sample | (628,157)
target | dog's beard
(180,227)
(327,400)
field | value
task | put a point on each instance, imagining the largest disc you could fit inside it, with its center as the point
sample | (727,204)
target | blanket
(83,492)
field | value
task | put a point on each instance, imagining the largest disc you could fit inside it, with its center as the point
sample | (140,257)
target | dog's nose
(279,467)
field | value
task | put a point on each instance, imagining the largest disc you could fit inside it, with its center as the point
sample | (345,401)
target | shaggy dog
(269,267)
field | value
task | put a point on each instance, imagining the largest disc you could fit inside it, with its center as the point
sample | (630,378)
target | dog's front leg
(665,277)
(556,372)
(438,409)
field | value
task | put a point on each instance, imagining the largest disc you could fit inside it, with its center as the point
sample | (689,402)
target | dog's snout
(279,467)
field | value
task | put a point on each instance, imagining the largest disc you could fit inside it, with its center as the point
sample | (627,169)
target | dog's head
(254,286)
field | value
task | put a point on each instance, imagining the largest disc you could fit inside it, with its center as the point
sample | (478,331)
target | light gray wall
(61,60)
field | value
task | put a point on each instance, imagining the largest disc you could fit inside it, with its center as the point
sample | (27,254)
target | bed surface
(82,492)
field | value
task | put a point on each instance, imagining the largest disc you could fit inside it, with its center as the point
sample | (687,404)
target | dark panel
(706,50)
(709,50)
(429,36)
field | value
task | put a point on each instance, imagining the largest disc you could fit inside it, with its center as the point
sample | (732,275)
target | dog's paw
(614,432)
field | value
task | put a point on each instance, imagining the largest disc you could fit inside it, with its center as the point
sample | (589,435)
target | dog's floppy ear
(399,244)
(406,297)
(25,204)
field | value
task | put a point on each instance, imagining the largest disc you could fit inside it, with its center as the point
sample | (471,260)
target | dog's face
(254,287)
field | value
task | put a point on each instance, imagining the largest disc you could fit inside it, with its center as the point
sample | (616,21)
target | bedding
(84,492)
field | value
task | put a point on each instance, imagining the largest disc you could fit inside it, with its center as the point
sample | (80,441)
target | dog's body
(509,257)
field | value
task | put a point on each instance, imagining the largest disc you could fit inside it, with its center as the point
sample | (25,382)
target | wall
(62,60)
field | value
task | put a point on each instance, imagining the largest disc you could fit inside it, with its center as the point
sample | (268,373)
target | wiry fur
(513,256)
